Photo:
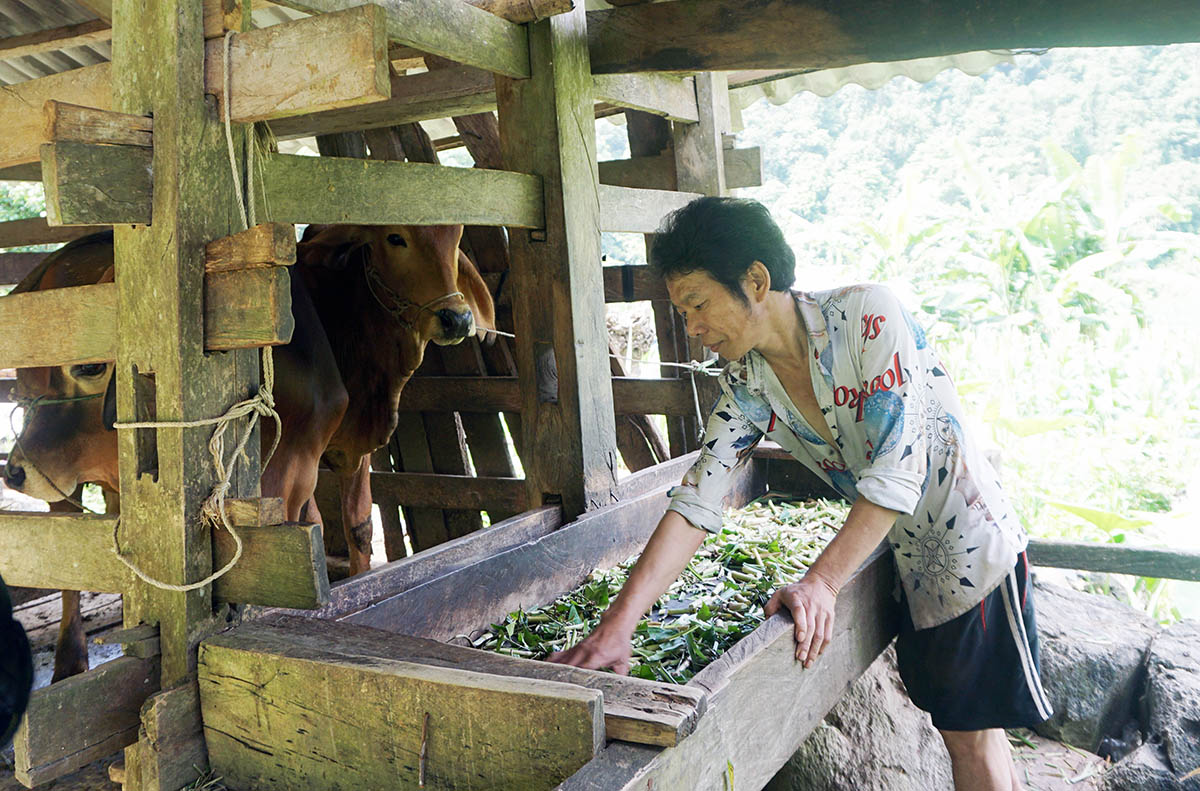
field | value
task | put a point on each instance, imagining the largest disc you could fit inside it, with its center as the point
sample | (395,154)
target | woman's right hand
(603,649)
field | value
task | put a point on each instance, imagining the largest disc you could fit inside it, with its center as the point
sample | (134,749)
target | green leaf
(1105,520)
(728,775)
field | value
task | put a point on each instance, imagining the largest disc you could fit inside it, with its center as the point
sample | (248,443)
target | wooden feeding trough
(342,689)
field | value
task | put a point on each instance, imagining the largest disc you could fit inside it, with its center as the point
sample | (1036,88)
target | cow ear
(478,298)
(109,411)
(332,247)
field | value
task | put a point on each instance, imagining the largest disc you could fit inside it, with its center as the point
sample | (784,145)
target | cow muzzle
(455,325)
(24,477)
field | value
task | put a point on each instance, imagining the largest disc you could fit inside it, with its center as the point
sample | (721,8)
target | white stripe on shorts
(1016,625)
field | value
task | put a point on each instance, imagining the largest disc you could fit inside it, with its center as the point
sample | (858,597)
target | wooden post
(547,128)
(162,371)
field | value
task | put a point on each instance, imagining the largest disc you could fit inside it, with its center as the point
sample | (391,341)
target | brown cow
(380,307)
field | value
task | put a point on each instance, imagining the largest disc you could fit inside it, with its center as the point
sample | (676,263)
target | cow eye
(91,369)
(397,240)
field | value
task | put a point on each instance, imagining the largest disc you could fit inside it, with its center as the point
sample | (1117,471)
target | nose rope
(400,305)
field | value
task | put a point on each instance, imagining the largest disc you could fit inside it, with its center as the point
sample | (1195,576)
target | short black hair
(723,237)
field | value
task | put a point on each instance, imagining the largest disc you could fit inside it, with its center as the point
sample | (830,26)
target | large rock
(875,739)
(1145,769)
(1172,699)
(1093,651)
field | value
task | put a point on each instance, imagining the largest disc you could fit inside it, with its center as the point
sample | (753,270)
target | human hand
(810,602)
(602,649)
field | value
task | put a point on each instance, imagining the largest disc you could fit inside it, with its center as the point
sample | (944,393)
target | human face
(720,320)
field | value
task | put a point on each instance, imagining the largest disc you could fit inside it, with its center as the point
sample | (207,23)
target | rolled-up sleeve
(889,367)
(729,437)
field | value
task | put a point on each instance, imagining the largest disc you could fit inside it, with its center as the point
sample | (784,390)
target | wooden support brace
(427,490)
(78,124)
(80,34)
(672,97)
(371,192)
(24,126)
(35,230)
(627,210)
(743,168)
(450,28)
(173,752)
(1116,559)
(83,718)
(264,245)
(276,717)
(138,641)
(96,184)
(631,395)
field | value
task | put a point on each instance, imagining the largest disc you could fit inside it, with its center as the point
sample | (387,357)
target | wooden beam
(1116,559)
(522,11)
(667,473)
(101,8)
(64,326)
(726,35)
(174,745)
(428,490)
(628,210)
(450,28)
(75,123)
(458,90)
(332,60)
(745,733)
(73,173)
(82,719)
(21,104)
(672,97)
(370,192)
(265,245)
(35,230)
(281,565)
(275,717)
(59,38)
(743,168)
(635,710)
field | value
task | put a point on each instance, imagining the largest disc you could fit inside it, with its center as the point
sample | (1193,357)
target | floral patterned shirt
(900,442)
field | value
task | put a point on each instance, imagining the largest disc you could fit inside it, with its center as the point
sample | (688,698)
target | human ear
(758,280)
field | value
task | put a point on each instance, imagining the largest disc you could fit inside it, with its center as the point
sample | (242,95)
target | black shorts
(979,670)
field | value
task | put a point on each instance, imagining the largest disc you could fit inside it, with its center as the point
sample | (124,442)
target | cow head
(68,435)
(415,272)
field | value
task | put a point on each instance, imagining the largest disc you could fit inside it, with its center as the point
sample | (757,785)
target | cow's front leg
(356,515)
(71,654)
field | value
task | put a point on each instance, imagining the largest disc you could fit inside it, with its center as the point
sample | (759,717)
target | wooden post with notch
(162,371)
(547,128)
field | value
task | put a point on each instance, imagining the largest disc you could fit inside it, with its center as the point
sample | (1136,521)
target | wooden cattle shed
(122,108)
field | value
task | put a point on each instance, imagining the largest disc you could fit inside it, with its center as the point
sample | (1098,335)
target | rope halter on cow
(394,304)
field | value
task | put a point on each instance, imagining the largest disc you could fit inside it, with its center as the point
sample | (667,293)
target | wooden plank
(667,473)
(547,127)
(428,490)
(35,230)
(93,184)
(282,565)
(81,34)
(646,712)
(66,122)
(450,28)
(276,717)
(1116,559)
(633,283)
(725,35)
(746,732)
(256,511)
(458,90)
(370,192)
(627,210)
(82,719)
(15,266)
(65,326)
(631,395)
(356,593)
(305,66)
(672,97)
(268,244)
(743,168)
(20,107)
(101,8)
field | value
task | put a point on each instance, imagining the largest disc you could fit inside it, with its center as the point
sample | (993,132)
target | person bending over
(846,382)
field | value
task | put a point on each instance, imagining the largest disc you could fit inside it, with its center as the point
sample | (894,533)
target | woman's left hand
(811,602)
